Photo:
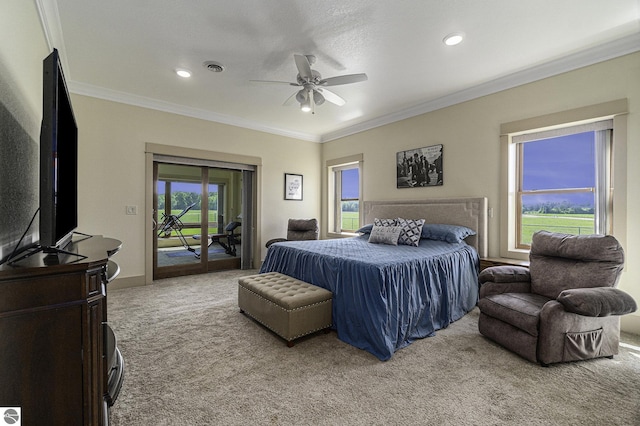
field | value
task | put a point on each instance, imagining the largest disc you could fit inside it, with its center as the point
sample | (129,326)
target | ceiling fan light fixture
(318,99)
(453,39)
(302,96)
(305,106)
(184,73)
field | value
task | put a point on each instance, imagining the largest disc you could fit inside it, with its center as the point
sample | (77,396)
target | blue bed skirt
(384,297)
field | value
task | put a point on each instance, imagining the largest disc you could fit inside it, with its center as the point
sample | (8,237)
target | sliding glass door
(198,217)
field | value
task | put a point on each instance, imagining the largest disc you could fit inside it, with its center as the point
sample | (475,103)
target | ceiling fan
(313,87)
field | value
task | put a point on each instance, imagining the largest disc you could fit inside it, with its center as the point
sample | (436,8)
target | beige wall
(470,135)
(112,139)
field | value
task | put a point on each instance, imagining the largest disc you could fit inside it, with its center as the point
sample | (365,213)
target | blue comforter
(384,297)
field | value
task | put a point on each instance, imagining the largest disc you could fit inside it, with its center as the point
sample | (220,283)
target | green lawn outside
(192,217)
(350,221)
(578,224)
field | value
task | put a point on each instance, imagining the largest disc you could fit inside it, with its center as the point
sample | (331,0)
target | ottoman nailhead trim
(286,287)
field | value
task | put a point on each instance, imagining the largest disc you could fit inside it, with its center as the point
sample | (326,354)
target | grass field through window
(191,220)
(577,224)
(350,221)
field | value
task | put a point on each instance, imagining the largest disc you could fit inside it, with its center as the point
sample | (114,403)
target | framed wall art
(292,187)
(419,167)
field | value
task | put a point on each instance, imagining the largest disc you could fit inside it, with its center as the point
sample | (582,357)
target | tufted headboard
(469,212)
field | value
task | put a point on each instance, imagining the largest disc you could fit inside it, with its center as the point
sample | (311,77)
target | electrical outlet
(132,209)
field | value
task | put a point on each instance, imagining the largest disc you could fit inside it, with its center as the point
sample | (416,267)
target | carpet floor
(193,359)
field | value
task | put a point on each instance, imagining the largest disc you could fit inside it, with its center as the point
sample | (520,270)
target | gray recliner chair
(565,307)
(299,230)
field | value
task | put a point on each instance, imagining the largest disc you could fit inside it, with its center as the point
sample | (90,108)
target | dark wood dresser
(53,363)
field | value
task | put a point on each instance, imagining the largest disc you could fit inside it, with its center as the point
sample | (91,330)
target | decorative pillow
(385,235)
(384,222)
(449,233)
(411,231)
(365,229)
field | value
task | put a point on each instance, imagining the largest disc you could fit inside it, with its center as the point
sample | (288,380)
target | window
(563,181)
(558,174)
(344,194)
(348,193)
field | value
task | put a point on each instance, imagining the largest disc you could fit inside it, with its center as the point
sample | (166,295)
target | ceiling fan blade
(332,97)
(343,79)
(275,82)
(304,68)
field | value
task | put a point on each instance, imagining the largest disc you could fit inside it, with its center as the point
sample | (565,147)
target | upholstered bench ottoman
(289,307)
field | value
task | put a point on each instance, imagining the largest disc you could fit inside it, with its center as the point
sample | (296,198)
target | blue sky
(350,186)
(563,162)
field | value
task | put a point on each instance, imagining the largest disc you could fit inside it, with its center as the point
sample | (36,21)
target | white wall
(470,135)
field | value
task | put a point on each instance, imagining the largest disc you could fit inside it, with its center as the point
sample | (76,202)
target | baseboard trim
(126,282)
(630,324)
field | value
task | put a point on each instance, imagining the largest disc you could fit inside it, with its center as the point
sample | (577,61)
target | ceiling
(128,51)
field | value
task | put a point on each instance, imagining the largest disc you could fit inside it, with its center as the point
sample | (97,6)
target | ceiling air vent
(213,66)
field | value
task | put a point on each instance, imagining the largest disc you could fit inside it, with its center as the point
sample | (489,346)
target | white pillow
(385,235)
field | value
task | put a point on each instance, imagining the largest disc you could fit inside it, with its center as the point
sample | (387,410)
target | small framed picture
(419,167)
(292,187)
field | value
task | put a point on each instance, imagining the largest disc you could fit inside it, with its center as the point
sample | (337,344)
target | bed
(384,296)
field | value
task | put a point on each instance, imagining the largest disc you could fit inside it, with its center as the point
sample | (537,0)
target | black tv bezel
(58,159)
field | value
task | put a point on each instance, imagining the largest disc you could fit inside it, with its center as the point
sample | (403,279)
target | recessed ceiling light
(453,39)
(183,73)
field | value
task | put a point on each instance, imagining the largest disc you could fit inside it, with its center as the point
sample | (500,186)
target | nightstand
(486,262)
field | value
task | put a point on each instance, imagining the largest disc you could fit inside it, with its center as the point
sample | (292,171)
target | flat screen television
(58,159)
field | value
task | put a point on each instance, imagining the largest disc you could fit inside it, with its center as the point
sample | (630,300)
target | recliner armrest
(275,240)
(504,279)
(491,288)
(597,301)
(505,274)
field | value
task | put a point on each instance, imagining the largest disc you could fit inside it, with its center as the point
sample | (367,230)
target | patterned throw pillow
(385,235)
(411,231)
(384,222)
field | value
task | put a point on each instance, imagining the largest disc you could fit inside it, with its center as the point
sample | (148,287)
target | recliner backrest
(560,262)
(302,229)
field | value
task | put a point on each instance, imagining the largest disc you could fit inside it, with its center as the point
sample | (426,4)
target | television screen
(58,159)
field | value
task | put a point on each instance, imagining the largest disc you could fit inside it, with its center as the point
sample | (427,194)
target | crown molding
(600,53)
(145,102)
(50,21)
(52,29)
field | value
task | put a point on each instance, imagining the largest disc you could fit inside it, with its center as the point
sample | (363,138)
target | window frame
(603,196)
(334,186)
(616,211)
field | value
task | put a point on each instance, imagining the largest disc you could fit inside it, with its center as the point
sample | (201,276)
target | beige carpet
(193,359)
